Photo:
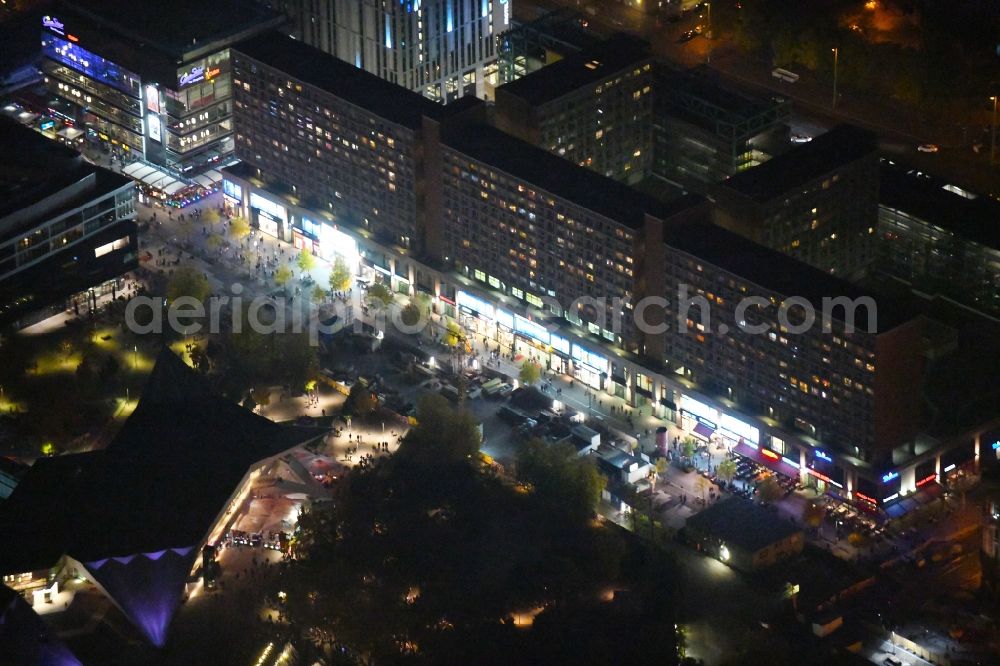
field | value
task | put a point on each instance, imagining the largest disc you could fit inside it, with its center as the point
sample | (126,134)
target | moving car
(801,138)
(687,36)
(927,148)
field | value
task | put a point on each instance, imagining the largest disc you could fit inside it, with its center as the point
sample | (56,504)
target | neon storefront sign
(53,24)
(823,455)
(865,498)
(474,305)
(531,329)
(196,74)
(561,345)
(822,477)
(770,454)
(927,479)
(889,476)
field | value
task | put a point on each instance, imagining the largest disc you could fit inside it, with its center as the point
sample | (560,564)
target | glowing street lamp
(993,133)
(836,57)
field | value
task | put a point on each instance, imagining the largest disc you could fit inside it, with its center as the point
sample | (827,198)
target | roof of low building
(804,163)
(333,75)
(971,216)
(741,523)
(577,70)
(160,483)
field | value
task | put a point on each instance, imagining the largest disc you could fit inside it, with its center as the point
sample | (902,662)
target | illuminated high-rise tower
(443,49)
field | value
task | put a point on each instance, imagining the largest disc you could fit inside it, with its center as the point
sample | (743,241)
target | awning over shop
(703,430)
(214,175)
(670,404)
(130,169)
(644,392)
(174,187)
(779,465)
(204,181)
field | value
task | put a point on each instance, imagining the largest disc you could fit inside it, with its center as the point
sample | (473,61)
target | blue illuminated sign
(91,64)
(889,476)
(561,345)
(996,445)
(505,319)
(196,74)
(823,455)
(531,329)
(53,24)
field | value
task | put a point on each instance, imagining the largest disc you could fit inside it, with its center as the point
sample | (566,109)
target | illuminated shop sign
(950,467)
(996,445)
(863,497)
(474,305)
(889,476)
(193,75)
(823,477)
(505,319)
(770,454)
(927,479)
(588,357)
(153,127)
(823,455)
(53,24)
(561,345)
(152,99)
(277,211)
(696,408)
(334,240)
(737,429)
(531,329)
(891,497)
(789,461)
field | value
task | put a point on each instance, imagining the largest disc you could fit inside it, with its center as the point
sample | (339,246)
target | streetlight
(836,57)
(993,133)
(135,357)
(708,33)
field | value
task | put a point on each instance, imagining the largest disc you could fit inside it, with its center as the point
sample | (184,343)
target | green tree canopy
(306,261)
(530,372)
(239,228)
(570,482)
(186,281)
(282,276)
(340,275)
(379,295)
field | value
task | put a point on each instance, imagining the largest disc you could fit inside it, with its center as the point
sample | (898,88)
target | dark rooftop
(562,178)
(841,145)
(173,26)
(579,69)
(775,271)
(160,483)
(698,97)
(742,523)
(35,167)
(324,71)
(923,196)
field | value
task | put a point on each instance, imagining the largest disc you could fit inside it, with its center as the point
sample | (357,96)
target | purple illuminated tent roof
(158,486)
(24,638)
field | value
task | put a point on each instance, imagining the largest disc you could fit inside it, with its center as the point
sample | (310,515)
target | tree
(213,241)
(687,447)
(379,295)
(340,275)
(306,261)
(726,470)
(186,281)
(411,314)
(569,482)
(318,293)
(769,490)
(239,228)
(442,434)
(530,372)
(453,334)
(282,276)
(360,401)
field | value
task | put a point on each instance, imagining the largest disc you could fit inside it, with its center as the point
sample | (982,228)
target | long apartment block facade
(593,108)
(505,237)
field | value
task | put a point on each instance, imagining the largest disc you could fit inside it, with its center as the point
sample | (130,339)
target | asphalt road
(901,129)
